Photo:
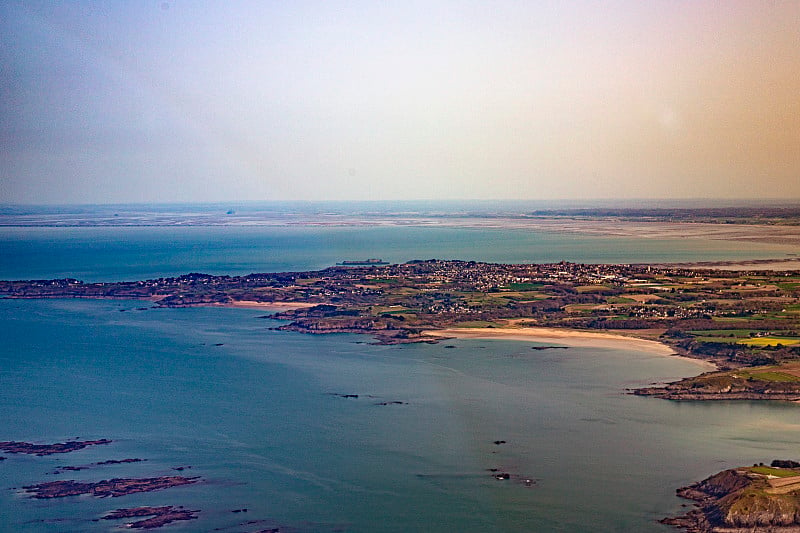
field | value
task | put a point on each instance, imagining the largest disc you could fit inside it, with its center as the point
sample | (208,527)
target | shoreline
(250,304)
(569,337)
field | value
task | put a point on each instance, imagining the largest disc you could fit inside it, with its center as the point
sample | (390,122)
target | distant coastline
(730,221)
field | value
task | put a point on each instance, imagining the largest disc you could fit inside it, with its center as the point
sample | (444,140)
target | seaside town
(731,318)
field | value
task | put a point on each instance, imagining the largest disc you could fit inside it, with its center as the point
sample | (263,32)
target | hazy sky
(182,100)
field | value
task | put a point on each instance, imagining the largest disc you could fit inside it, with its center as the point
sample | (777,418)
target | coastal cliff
(773,382)
(757,498)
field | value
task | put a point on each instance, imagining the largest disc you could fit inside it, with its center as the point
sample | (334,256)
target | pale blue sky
(207,101)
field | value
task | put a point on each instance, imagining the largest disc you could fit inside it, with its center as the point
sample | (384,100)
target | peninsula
(730,318)
(757,498)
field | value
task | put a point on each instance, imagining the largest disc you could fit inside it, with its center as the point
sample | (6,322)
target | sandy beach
(567,337)
(269,305)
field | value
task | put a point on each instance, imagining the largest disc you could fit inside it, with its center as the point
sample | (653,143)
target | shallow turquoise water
(132,253)
(255,419)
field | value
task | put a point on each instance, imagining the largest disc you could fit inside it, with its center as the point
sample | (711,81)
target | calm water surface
(251,411)
(255,418)
(132,253)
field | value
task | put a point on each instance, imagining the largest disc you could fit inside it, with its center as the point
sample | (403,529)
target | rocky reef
(107,487)
(157,516)
(48,449)
(774,382)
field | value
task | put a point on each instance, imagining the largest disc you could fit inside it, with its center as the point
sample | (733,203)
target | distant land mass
(733,319)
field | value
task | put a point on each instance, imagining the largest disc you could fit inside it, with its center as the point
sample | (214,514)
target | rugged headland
(758,498)
(771,382)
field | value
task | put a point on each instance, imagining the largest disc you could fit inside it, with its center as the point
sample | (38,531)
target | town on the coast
(746,322)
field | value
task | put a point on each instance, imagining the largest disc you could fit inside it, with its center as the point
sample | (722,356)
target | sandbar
(568,337)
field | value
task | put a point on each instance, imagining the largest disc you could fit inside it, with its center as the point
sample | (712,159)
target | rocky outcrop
(101,489)
(743,499)
(47,449)
(158,516)
(729,385)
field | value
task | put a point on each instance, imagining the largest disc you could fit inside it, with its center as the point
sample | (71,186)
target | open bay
(251,410)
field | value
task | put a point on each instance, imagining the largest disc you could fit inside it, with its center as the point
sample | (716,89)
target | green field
(776,376)
(723,340)
(619,300)
(777,472)
(525,286)
(741,333)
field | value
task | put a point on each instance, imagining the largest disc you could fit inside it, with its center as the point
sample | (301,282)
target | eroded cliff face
(743,499)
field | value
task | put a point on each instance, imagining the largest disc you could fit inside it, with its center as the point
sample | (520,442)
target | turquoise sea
(255,412)
(143,252)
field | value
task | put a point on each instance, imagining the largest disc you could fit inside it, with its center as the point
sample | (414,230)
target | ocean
(260,415)
(144,252)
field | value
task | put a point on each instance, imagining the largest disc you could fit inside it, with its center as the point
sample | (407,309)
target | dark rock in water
(778,463)
(549,347)
(102,489)
(243,510)
(181,468)
(47,449)
(72,469)
(450,346)
(395,402)
(159,516)
(92,465)
(499,442)
(120,461)
(219,344)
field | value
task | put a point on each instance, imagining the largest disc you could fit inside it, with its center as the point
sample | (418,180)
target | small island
(108,487)
(156,517)
(49,449)
(757,498)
